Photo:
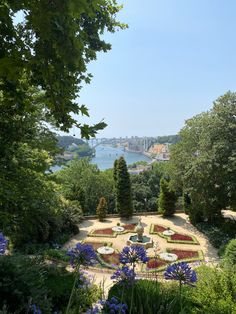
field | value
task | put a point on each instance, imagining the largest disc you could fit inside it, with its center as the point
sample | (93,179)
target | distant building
(160,151)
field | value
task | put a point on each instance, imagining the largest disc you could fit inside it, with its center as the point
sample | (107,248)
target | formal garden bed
(177,237)
(109,233)
(157,264)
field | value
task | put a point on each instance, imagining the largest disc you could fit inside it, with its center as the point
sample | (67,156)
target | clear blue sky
(175,59)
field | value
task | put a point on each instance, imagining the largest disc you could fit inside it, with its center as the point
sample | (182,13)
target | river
(106,155)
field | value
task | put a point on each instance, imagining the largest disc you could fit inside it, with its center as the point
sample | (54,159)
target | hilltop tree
(102,209)
(124,205)
(204,161)
(167,199)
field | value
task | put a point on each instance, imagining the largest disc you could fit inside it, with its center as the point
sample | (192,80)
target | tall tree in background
(204,161)
(167,199)
(124,205)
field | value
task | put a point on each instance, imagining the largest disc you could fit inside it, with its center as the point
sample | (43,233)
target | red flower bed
(155,263)
(158,228)
(183,254)
(181,237)
(130,227)
(111,259)
(103,231)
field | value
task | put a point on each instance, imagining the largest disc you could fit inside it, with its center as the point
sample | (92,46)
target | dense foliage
(230,252)
(123,192)
(146,187)
(204,161)
(25,281)
(45,47)
(50,47)
(85,183)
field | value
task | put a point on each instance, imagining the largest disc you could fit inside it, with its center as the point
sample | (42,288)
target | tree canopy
(204,161)
(48,44)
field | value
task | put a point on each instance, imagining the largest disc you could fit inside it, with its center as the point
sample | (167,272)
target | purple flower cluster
(133,254)
(82,254)
(124,275)
(35,309)
(181,272)
(113,306)
(95,310)
(3,244)
(83,280)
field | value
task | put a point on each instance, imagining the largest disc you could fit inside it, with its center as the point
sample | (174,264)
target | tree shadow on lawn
(107,221)
(133,220)
(86,223)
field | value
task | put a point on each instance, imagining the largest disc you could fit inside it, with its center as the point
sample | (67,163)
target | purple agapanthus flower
(94,310)
(181,272)
(124,275)
(3,244)
(35,309)
(82,254)
(133,254)
(84,280)
(113,306)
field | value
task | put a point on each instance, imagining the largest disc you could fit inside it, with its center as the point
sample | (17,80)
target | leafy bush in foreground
(150,297)
(215,292)
(230,252)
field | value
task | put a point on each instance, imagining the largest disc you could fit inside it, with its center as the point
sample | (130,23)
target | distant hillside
(172,139)
(66,141)
(75,146)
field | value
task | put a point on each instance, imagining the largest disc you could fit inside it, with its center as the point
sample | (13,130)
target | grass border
(168,238)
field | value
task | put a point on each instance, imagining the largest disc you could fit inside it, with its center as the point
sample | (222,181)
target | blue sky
(175,59)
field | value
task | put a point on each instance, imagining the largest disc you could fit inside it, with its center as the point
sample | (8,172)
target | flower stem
(73,289)
(180,295)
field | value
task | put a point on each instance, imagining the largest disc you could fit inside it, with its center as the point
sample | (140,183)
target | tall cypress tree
(167,199)
(124,205)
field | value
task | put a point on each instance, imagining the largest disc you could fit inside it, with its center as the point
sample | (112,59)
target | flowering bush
(133,254)
(181,272)
(3,244)
(82,254)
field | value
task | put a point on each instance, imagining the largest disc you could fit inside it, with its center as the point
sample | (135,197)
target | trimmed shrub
(102,209)
(167,199)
